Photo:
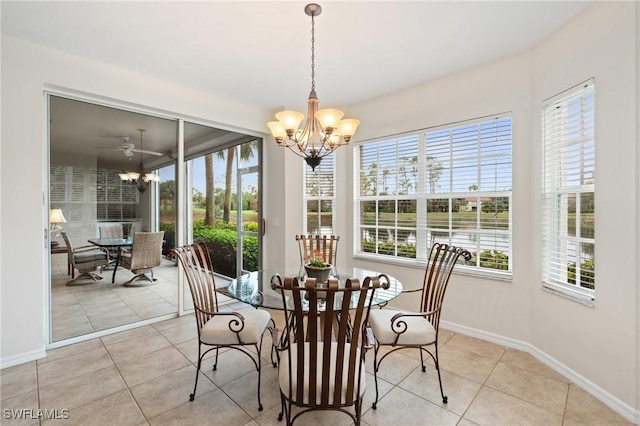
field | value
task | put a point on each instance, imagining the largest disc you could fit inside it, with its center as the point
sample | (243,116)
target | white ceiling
(259,52)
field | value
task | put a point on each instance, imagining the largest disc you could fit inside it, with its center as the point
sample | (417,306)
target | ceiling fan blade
(144,151)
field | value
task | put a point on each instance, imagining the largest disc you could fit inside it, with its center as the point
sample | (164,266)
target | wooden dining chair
(230,329)
(325,245)
(322,348)
(418,330)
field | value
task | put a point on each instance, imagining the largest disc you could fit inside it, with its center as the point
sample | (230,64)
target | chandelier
(140,180)
(324,130)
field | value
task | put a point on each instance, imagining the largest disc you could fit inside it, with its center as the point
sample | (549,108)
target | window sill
(458,270)
(573,296)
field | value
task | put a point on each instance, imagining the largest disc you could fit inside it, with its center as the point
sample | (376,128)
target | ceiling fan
(129,148)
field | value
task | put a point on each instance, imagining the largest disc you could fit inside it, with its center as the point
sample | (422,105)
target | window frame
(556,191)
(422,193)
(321,197)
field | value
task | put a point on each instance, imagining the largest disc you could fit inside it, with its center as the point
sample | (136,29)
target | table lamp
(56,218)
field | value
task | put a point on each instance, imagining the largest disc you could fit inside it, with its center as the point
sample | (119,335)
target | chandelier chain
(313,54)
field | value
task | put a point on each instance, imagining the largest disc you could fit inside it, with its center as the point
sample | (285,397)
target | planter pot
(321,274)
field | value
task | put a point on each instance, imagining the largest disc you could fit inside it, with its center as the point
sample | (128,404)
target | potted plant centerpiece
(317,267)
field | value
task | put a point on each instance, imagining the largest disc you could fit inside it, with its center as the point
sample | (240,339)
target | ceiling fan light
(124,176)
(133,175)
(151,177)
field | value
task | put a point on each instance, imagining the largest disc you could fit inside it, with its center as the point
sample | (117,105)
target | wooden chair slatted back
(339,323)
(326,245)
(198,269)
(442,259)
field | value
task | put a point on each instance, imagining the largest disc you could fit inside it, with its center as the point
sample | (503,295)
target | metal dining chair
(322,348)
(235,330)
(418,330)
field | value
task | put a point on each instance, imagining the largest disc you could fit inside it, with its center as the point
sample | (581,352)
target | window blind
(568,204)
(319,197)
(449,183)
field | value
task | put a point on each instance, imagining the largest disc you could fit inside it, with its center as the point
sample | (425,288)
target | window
(89,195)
(568,203)
(449,184)
(319,197)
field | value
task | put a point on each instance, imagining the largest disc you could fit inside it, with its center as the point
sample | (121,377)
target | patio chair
(418,330)
(85,259)
(111,231)
(142,257)
(234,330)
(322,348)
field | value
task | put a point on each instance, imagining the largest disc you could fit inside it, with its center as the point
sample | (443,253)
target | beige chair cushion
(218,332)
(284,373)
(89,256)
(419,330)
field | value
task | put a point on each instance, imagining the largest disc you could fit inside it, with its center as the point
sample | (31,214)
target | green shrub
(389,248)
(493,259)
(221,241)
(587,273)
(169,229)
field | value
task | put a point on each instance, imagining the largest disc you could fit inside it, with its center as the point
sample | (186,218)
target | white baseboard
(22,358)
(620,407)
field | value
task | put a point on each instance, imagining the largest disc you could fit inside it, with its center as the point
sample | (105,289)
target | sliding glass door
(92,146)
(224,199)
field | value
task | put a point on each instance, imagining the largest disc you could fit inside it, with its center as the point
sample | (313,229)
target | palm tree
(246,153)
(209,213)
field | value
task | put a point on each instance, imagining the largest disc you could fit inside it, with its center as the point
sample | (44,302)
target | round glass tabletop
(255,288)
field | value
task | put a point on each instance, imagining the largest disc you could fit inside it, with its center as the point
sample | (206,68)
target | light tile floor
(89,306)
(144,376)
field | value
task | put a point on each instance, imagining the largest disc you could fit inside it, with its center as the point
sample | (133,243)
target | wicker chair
(326,245)
(85,259)
(216,329)
(111,231)
(322,350)
(142,257)
(402,330)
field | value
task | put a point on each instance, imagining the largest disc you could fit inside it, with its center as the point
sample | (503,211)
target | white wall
(597,343)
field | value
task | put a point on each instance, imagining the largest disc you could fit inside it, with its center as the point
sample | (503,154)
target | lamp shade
(348,126)
(290,119)
(56,216)
(277,130)
(329,117)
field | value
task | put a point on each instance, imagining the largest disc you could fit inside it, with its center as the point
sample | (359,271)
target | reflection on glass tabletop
(255,288)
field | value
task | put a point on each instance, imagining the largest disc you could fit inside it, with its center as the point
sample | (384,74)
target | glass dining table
(257,289)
